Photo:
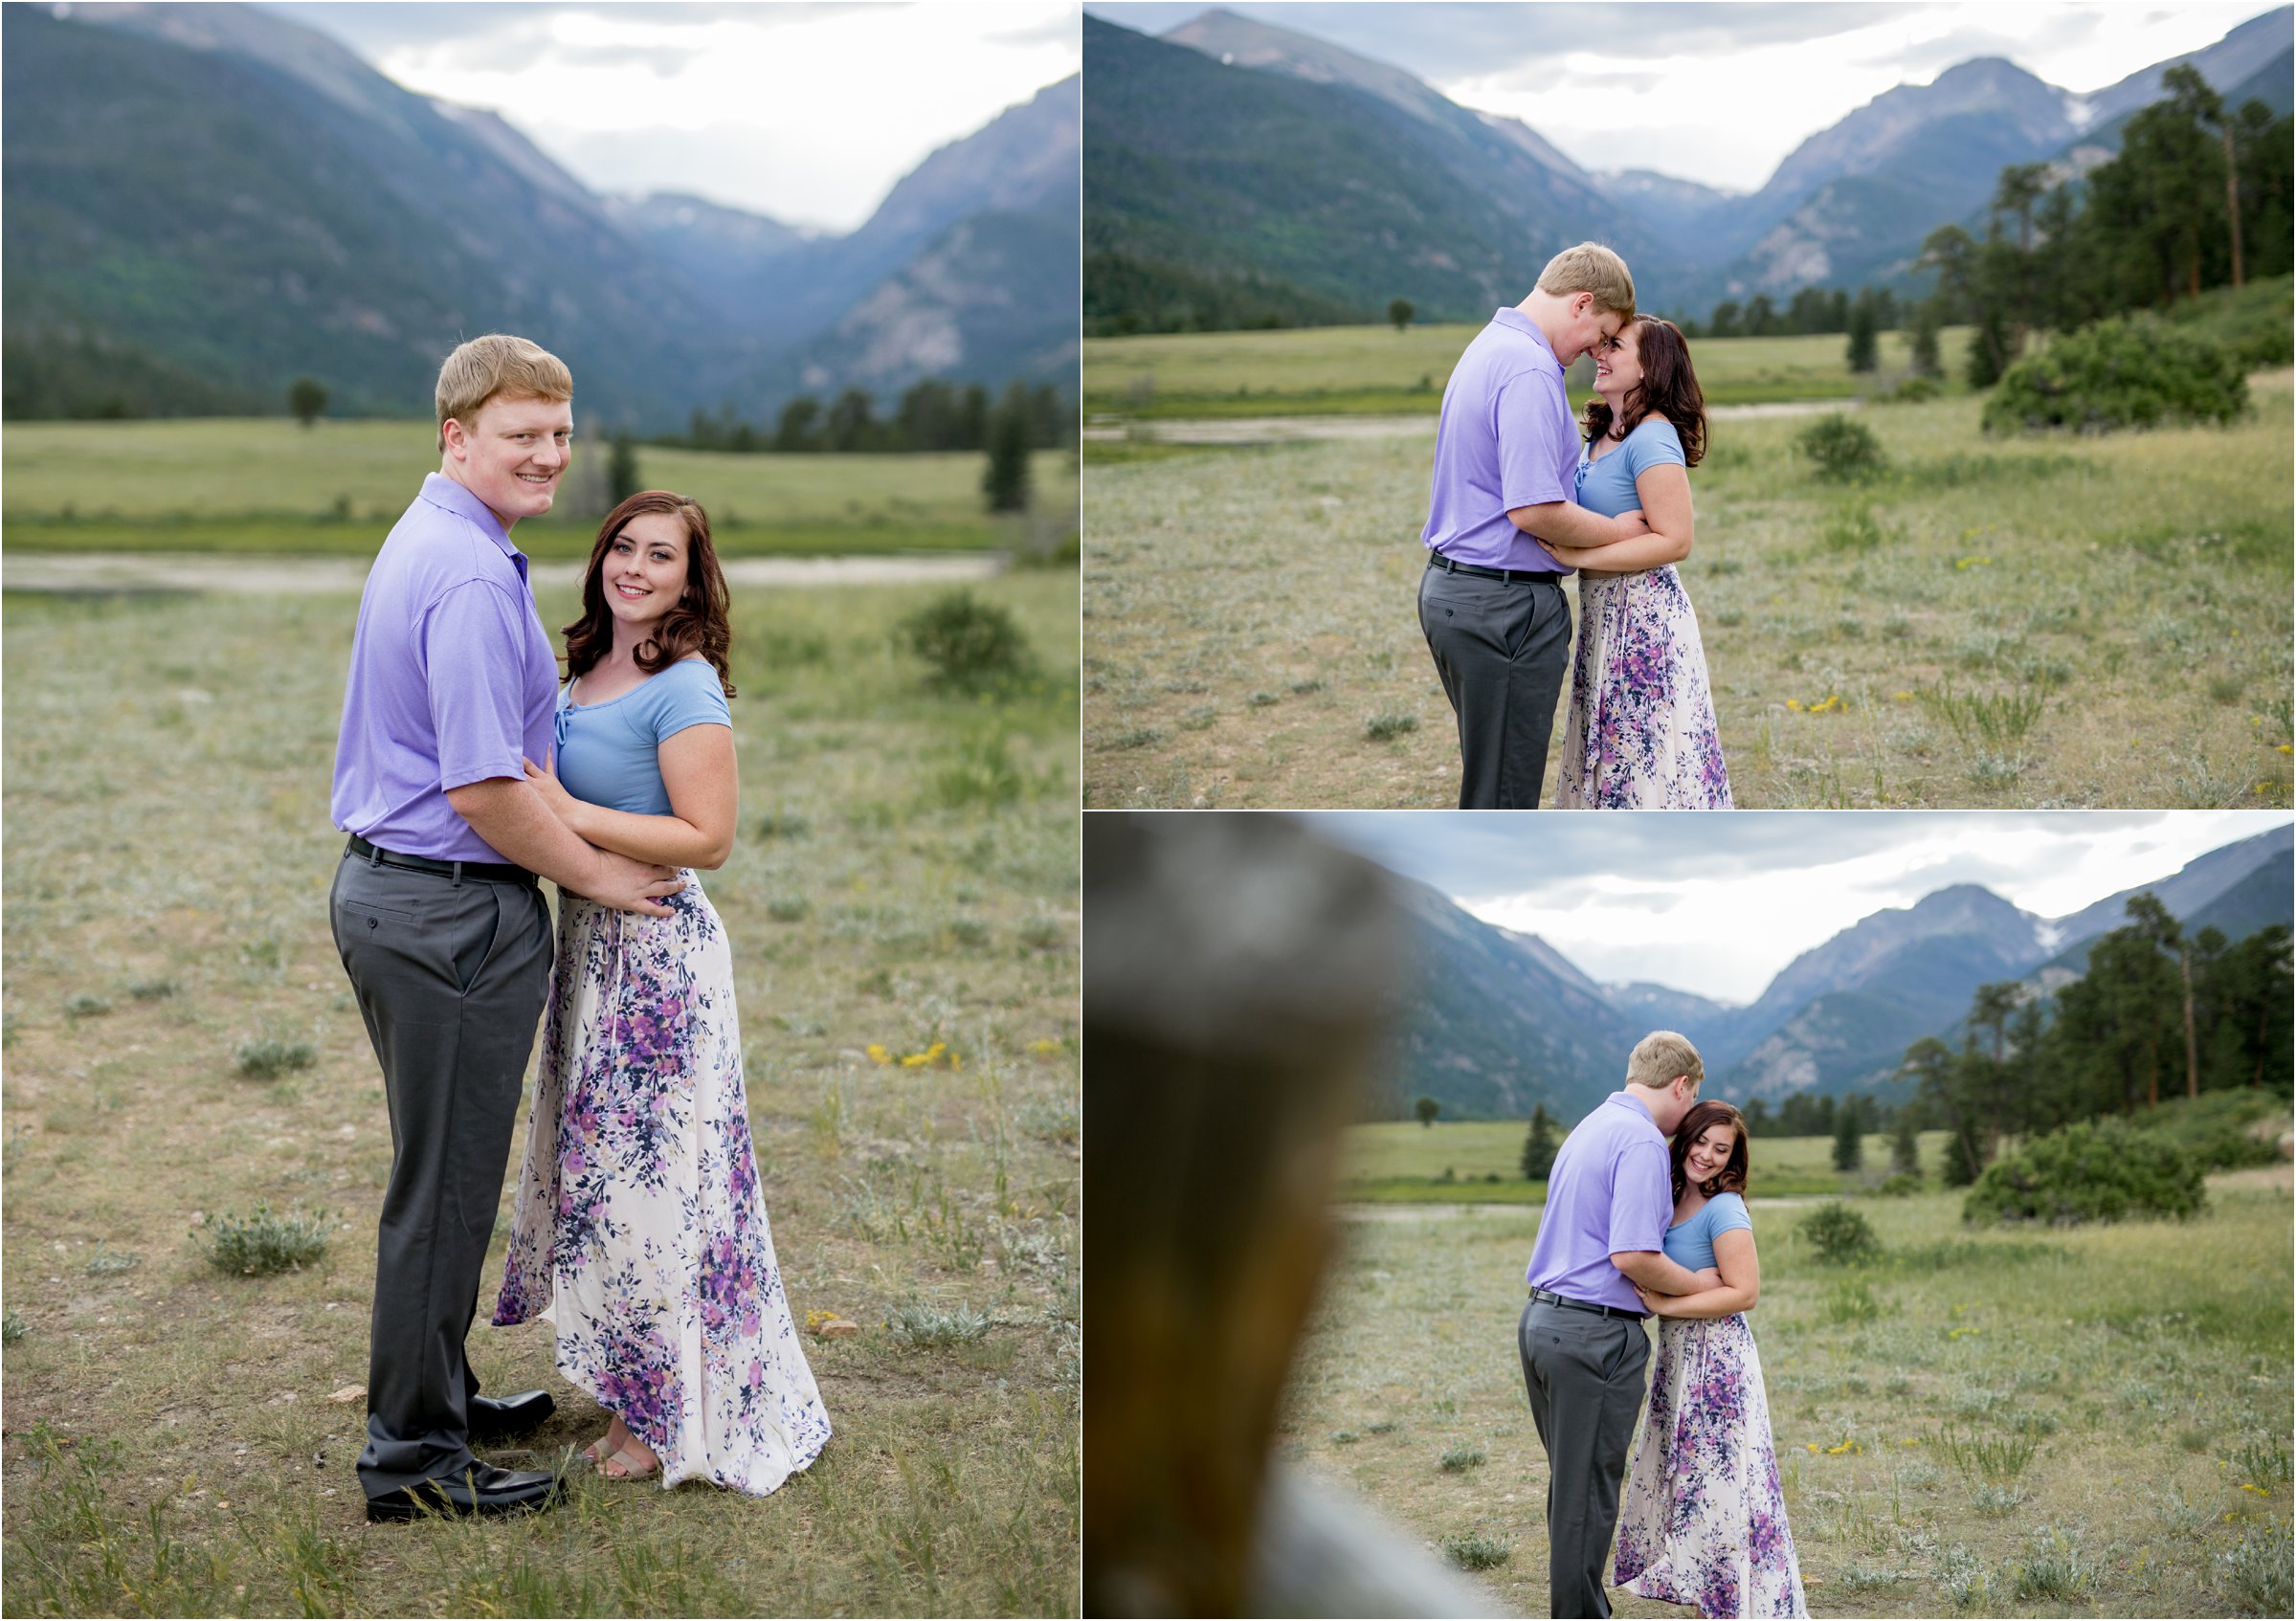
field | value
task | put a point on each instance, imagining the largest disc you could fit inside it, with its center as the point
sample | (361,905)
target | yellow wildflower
(878,1054)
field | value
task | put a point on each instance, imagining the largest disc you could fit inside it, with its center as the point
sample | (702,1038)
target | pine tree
(1849,1135)
(1905,1145)
(1539,1146)
(1006,481)
(622,480)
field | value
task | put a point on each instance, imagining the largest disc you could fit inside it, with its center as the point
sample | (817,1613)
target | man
(437,913)
(1609,1200)
(1505,468)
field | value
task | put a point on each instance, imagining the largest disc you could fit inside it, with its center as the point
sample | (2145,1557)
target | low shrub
(918,1323)
(1841,450)
(1478,1552)
(972,646)
(2131,371)
(268,1059)
(1465,1455)
(1838,1233)
(263,1242)
(2088,1171)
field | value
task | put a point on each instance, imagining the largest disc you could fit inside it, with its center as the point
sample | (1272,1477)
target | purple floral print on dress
(1640,731)
(1701,1521)
(640,1228)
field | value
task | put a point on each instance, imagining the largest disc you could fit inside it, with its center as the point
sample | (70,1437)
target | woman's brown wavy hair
(1669,388)
(697,624)
(1731,1177)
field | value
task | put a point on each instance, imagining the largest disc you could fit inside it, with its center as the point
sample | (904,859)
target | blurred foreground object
(1238,977)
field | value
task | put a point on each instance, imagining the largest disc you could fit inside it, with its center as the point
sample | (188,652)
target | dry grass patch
(171,1445)
(2064,622)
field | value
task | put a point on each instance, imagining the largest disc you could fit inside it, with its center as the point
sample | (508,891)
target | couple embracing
(1646,1216)
(1523,495)
(464,774)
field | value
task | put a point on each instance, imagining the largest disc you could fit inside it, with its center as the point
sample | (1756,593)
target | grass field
(267,485)
(1455,1161)
(2069,1422)
(2096,621)
(1344,370)
(905,874)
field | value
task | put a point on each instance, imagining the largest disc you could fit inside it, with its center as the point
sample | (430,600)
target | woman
(1703,1521)
(639,1229)
(1641,725)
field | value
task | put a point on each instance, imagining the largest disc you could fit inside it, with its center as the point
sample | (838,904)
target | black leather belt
(491,872)
(1512,576)
(1546,1299)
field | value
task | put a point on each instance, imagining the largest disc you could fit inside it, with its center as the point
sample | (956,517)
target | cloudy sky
(1719,93)
(807,113)
(1719,904)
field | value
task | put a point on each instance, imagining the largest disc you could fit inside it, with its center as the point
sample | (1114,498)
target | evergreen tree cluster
(2198,198)
(1812,309)
(2160,1014)
(931,415)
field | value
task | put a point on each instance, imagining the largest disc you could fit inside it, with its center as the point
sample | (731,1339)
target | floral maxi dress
(639,1229)
(1703,1521)
(1640,731)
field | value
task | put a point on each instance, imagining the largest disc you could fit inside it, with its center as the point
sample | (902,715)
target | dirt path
(295,576)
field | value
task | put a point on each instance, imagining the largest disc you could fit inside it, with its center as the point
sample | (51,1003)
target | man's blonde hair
(1661,1055)
(1592,268)
(493,366)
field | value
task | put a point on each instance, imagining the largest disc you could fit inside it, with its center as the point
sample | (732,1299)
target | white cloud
(807,113)
(1719,904)
(1739,86)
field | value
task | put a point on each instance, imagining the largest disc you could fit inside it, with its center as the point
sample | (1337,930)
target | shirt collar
(1628,1100)
(443,491)
(1515,320)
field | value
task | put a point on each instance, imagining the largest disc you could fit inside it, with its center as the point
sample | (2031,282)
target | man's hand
(511,816)
(1630,525)
(629,886)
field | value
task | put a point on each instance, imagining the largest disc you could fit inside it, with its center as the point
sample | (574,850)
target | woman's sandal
(598,1452)
(625,1466)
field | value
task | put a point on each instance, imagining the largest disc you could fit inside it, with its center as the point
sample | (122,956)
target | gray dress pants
(1502,648)
(1584,1371)
(449,978)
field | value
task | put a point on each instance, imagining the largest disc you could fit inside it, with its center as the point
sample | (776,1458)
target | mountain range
(213,199)
(1231,146)
(1497,1020)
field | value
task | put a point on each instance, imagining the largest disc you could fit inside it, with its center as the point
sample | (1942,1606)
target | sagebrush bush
(2131,371)
(2103,1170)
(1841,450)
(972,646)
(919,1323)
(1838,1233)
(263,1242)
(268,1059)
(1476,1551)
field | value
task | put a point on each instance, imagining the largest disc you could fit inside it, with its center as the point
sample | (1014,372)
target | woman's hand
(563,804)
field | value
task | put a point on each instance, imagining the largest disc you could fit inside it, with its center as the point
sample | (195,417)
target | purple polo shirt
(1505,439)
(1612,1190)
(452,679)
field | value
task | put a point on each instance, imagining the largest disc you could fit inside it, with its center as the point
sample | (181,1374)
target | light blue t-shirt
(1608,486)
(610,753)
(1691,1244)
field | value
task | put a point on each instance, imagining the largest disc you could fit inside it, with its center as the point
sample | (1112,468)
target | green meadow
(1342,371)
(2033,622)
(1478,1162)
(2087,1421)
(270,485)
(181,1045)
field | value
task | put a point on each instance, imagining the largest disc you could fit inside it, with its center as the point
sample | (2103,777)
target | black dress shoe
(490,1419)
(482,1489)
